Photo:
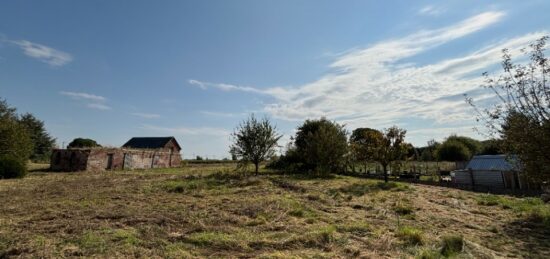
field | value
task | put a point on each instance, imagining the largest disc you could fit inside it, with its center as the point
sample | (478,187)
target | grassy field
(211,211)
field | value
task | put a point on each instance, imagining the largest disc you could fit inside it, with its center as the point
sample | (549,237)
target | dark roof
(491,162)
(150,142)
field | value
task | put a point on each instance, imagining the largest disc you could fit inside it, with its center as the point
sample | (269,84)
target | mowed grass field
(213,211)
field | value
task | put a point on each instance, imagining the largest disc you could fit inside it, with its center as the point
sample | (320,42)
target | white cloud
(146,115)
(85,96)
(98,106)
(91,100)
(431,10)
(221,114)
(225,87)
(44,53)
(372,87)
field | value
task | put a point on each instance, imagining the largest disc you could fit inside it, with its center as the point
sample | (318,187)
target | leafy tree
(42,141)
(520,113)
(474,146)
(491,147)
(254,141)
(321,145)
(428,153)
(359,144)
(15,141)
(6,111)
(453,150)
(388,147)
(83,143)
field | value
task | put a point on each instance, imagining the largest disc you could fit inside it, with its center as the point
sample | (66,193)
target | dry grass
(212,211)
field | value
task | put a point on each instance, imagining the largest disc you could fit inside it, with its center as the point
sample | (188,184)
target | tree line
(517,119)
(322,146)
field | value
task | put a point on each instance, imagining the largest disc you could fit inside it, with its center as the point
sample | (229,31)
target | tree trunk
(256,165)
(385,173)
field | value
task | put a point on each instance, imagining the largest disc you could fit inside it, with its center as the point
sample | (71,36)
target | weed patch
(451,245)
(358,228)
(410,235)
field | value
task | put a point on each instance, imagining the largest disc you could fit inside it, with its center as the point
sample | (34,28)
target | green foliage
(473,146)
(452,150)
(391,147)
(492,147)
(451,245)
(15,141)
(83,143)
(362,143)
(428,153)
(254,141)
(521,117)
(321,145)
(42,141)
(12,168)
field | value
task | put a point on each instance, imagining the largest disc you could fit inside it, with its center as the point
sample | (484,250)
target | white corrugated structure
(493,171)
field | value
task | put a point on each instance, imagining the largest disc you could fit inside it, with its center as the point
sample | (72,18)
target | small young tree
(388,147)
(254,141)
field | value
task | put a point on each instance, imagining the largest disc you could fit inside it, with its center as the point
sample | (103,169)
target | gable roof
(491,162)
(150,142)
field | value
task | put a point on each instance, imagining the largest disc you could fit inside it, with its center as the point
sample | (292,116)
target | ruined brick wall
(101,159)
(69,160)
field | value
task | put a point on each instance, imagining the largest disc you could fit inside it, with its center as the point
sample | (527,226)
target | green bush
(12,168)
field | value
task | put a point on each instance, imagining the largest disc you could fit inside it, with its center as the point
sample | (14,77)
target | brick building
(137,153)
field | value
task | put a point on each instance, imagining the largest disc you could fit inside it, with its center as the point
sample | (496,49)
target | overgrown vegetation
(211,210)
(530,209)
(21,138)
(520,112)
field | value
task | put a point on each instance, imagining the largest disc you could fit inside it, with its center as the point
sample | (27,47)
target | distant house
(137,153)
(492,171)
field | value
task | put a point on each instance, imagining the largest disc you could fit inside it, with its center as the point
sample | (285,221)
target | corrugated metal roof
(490,162)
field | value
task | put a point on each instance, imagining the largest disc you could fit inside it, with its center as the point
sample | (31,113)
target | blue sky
(110,70)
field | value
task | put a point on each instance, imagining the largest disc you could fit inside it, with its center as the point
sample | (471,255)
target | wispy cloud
(146,115)
(431,10)
(188,130)
(91,100)
(98,106)
(221,114)
(372,86)
(44,53)
(225,87)
(85,96)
